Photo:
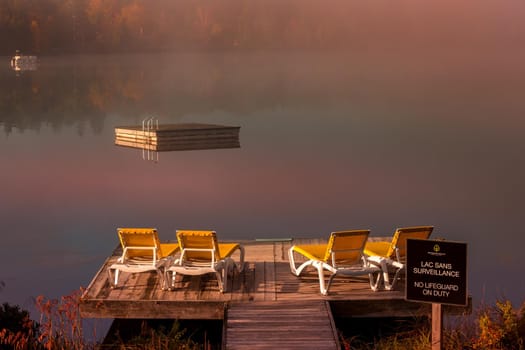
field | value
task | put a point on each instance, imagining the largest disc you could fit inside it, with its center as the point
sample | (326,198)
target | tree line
(115,26)
(90,26)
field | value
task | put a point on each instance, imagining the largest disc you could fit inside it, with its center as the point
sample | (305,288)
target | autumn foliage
(60,327)
(58,26)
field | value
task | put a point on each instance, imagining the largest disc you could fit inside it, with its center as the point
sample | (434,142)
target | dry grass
(498,326)
(60,328)
(492,327)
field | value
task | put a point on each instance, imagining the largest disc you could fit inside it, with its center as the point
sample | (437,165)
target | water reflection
(330,141)
(21,62)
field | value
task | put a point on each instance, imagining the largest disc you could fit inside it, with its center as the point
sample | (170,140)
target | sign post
(436,272)
(437,326)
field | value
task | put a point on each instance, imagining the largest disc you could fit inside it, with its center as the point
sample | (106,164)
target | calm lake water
(329,141)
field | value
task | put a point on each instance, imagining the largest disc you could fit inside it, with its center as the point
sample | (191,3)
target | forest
(89,26)
(53,27)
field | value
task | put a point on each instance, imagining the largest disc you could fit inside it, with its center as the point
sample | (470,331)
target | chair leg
(229,266)
(161,274)
(234,267)
(297,270)
(291,260)
(394,280)
(322,284)
(169,279)
(330,280)
(240,266)
(220,280)
(399,268)
(113,277)
(375,282)
(320,274)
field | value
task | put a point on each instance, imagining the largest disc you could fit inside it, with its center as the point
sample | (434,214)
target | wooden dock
(177,137)
(265,287)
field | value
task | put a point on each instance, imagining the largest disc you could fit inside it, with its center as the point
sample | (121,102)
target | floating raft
(178,137)
(24,62)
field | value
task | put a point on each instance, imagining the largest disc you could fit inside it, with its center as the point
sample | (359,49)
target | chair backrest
(140,243)
(198,246)
(398,247)
(346,247)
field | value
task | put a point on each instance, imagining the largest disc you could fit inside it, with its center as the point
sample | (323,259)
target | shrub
(150,335)
(60,327)
(498,327)
(17,330)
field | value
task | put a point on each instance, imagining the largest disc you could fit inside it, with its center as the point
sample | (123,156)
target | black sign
(436,272)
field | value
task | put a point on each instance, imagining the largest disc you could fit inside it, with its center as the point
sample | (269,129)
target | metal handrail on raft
(148,125)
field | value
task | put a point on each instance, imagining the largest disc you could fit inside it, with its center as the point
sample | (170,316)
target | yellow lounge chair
(391,255)
(141,252)
(342,255)
(201,253)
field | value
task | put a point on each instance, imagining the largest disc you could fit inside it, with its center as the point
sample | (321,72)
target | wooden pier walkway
(265,296)
(280,325)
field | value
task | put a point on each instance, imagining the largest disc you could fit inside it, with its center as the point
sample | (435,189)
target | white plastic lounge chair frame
(391,255)
(141,252)
(342,255)
(201,253)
